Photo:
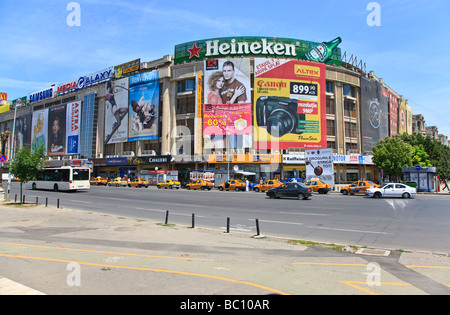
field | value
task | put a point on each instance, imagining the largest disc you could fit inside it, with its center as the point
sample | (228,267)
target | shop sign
(229,47)
(245,158)
(117,161)
(95,78)
(67,87)
(127,69)
(41,95)
(353,159)
(294,158)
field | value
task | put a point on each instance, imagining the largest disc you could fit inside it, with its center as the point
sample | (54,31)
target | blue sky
(410,50)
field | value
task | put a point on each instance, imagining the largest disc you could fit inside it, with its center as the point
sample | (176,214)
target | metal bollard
(228,225)
(57,204)
(167,217)
(37,198)
(46,202)
(193,220)
(257,227)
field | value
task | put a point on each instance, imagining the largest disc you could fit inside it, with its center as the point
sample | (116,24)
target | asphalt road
(420,224)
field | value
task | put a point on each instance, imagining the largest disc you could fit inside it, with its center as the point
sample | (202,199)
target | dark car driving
(290,190)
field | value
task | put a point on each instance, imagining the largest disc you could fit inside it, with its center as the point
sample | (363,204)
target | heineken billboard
(268,47)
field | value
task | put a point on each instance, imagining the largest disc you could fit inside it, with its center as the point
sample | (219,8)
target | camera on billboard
(278,113)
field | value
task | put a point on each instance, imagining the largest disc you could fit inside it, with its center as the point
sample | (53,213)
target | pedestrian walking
(446,185)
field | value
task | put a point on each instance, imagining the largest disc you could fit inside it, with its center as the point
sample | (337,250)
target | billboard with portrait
(39,129)
(116,111)
(22,131)
(56,144)
(374,113)
(289,104)
(227,97)
(409,118)
(143,106)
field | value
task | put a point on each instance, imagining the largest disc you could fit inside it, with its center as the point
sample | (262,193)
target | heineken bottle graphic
(322,52)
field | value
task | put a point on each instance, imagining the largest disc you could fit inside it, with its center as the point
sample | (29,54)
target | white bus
(62,178)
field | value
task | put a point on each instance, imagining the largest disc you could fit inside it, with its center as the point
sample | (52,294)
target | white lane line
(347,230)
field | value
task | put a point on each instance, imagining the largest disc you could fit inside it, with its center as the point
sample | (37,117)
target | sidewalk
(40,249)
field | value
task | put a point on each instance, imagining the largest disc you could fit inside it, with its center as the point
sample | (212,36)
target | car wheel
(170,187)
(377,195)
(237,189)
(221,188)
(55,188)
(344,192)
(256,189)
(109,185)
(129,185)
(272,195)
(33,186)
(188,187)
(406,195)
(159,187)
(300,196)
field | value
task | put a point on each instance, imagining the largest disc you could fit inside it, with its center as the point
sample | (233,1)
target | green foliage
(420,156)
(27,164)
(391,154)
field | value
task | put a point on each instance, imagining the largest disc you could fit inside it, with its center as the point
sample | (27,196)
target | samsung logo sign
(41,95)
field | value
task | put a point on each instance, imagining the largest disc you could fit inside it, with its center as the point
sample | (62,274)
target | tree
(27,164)
(391,154)
(420,156)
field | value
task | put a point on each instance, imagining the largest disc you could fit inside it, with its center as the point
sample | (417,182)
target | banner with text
(289,109)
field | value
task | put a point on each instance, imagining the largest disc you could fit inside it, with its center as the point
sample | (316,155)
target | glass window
(349,90)
(330,87)
(331,129)
(349,109)
(331,109)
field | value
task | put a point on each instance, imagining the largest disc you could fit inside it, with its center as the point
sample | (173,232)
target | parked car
(118,181)
(234,184)
(139,182)
(267,184)
(199,184)
(99,181)
(358,187)
(169,183)
(392,190)
(318,186)
(290,190)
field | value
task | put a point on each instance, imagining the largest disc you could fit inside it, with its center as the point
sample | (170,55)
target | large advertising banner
(144,106)
(198,133)
(393,114)
(227,108)
(409,118)
(56,130)
(289,110)
(402,117)
(374,113)
(73,125)
(22,131)
(39,129)
(116,111)
(320,166)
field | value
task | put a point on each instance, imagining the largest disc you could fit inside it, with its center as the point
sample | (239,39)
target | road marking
(304,213)
(353,284)
(104,252)
(153,270)
(280,222)
(348,230)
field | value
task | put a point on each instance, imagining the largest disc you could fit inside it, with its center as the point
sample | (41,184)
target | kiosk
(422,176)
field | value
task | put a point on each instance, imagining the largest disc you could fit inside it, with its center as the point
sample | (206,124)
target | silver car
(392,190)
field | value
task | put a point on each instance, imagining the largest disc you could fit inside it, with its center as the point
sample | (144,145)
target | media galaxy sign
(233,47)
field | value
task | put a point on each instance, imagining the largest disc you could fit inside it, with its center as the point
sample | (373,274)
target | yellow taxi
(199,184)
(358,187)
(318,186)
(138,182)
(99,181)
(118,181)
(267,184)
(233,184)
(169,183)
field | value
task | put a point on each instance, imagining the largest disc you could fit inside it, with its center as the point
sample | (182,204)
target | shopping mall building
(171,116)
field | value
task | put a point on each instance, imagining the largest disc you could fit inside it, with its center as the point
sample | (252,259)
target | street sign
(3,158)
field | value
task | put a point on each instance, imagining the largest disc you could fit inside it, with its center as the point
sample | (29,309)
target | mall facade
(169,117)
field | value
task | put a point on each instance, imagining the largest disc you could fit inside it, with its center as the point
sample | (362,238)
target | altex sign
(234,47)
